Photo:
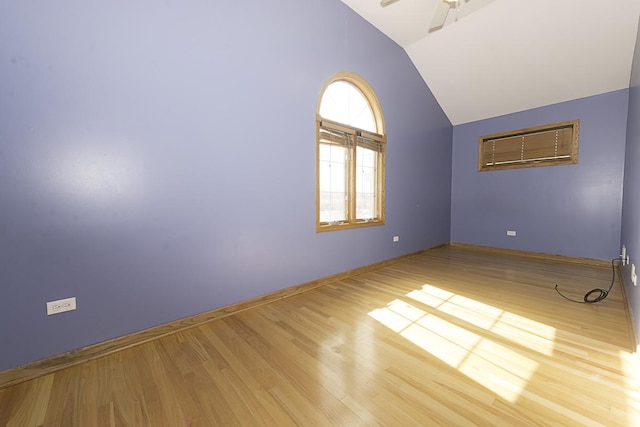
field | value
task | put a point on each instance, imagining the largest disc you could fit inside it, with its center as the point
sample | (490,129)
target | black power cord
(600,293)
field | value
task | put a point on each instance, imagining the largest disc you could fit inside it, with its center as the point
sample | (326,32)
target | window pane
(333,184)
(332,207)
(366,179)
(344,103)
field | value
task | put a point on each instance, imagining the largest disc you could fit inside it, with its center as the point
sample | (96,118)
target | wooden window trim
(510,160)
(354,135)
(372,138)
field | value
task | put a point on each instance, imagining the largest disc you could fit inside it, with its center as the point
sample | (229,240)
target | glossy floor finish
(452,336)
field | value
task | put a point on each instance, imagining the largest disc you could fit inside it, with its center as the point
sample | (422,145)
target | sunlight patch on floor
(630,365)
(490,364)
(534,335)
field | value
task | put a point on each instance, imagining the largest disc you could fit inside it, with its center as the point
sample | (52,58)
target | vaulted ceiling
(504,56)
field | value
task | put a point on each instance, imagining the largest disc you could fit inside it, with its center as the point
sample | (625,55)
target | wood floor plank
(451,336)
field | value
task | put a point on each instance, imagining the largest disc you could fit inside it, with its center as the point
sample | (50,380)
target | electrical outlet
(511,233)
(396,239)
(61,305)
(623,255)
(634,277)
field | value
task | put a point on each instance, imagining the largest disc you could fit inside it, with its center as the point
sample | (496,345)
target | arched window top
(343,102)
(347,98)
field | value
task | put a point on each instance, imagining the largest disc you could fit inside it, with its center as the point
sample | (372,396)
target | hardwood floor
(453,336)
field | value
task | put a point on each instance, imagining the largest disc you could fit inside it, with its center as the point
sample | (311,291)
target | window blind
(337,133)
(540,146)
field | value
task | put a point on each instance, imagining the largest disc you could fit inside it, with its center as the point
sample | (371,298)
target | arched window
(350,155)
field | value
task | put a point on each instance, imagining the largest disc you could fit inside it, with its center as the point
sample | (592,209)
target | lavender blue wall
(631,206)
(572,210)
(157,160)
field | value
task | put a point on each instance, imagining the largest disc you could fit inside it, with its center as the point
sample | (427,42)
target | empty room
(318,213)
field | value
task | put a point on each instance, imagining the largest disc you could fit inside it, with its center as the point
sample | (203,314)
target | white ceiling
(504,56)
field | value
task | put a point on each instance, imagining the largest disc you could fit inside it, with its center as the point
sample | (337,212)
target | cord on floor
(600,294)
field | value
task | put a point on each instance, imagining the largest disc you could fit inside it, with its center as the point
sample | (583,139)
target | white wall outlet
(511,233)
(61,305)
(623,254)
(396,239)
(634,277)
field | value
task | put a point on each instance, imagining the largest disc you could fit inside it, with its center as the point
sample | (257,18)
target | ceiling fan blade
(385,3)
(440,16)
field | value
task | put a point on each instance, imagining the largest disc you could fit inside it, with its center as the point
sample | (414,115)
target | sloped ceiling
(504,56)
